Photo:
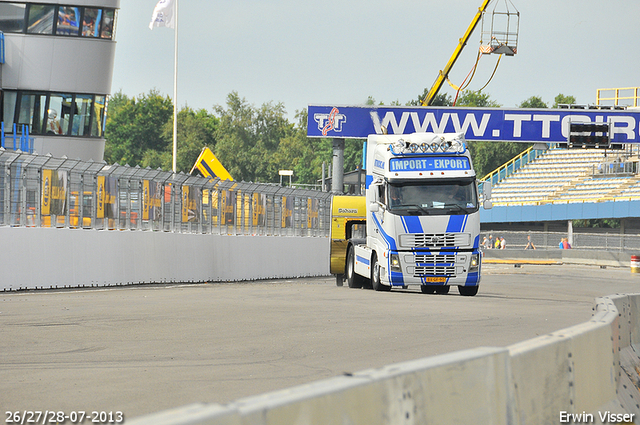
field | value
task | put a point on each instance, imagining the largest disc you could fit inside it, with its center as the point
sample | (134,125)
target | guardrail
(617,198)
(616,98)
(558,256)
(615,169)
(517,241)
(17,141)
(580,374)
(43,191)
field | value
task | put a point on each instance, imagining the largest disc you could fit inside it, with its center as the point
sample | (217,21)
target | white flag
(163,14)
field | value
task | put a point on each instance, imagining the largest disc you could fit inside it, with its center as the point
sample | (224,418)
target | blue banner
(490,124)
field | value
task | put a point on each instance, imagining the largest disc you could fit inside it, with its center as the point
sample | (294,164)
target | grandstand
(566,176)
(539,194)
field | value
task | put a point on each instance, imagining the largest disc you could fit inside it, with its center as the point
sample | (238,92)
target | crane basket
(500,33)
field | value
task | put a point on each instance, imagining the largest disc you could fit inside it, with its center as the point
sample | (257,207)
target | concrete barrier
(559,256)
(61,258)
(571,371)
(586,373)
(463,387)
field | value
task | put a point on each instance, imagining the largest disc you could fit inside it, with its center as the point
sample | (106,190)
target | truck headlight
(474,265)
(394,261)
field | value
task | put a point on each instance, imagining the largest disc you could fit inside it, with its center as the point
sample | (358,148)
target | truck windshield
(432,198)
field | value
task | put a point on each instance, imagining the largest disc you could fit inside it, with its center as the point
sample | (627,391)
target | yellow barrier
(616,98)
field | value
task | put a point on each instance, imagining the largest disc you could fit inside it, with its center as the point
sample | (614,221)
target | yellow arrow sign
(210,166)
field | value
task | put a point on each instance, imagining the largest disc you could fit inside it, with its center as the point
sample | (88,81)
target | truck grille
(434,271)
(434,259)
(434,240)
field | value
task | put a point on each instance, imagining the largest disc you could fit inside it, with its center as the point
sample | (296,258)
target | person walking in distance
(530,244)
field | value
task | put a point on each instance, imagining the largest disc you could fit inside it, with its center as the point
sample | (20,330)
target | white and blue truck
(422,216)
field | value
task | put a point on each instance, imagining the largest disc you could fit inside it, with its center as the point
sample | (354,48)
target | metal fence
(551,240)
(43,191)
(18,140)
(615,169)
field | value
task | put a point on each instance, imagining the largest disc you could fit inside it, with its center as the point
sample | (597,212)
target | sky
(341,53)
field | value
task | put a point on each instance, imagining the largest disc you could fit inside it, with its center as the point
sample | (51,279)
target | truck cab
(422,216)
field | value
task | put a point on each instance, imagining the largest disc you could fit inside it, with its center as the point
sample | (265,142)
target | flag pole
(175,91)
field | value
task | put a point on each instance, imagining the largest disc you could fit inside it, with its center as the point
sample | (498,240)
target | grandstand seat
(562,175)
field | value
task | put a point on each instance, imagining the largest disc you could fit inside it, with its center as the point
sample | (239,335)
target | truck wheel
(443,290)
(375,275)
(468,291)
(339,279)
(353,280)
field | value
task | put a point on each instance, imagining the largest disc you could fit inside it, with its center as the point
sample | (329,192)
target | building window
(12,17)
(60,105)
(108,24)
(91,22)
(40,19)
(31,111)
(97,124)
(68,20)
(57,20)
(54,113)
(82,115)
(9,109)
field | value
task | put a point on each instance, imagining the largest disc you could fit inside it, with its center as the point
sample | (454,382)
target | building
(56,76)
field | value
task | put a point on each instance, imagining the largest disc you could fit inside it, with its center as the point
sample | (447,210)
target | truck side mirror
(374,207)
(487,204)
(486,190)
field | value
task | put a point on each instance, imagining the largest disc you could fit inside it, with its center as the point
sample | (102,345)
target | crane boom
(442,76)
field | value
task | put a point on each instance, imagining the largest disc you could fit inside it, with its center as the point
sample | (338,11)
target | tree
(248,137)
(298,153)
(476,99)
(533,102)
(135,126)
(441,99)
(140,132)
(487,156)
(196,129)
(564,100)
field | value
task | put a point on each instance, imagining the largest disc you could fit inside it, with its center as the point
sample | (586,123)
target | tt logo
(331,121)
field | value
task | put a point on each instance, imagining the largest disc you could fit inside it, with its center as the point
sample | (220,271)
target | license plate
(436,279)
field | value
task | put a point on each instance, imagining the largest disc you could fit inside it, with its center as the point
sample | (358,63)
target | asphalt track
(148,348)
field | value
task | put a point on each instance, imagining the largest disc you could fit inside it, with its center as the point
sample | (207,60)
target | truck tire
(468,291)
(375,275)
(353,279)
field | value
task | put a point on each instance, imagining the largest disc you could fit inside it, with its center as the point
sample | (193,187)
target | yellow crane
(502,42)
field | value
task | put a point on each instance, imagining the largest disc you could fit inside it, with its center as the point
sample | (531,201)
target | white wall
(54,63)
(57,258)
